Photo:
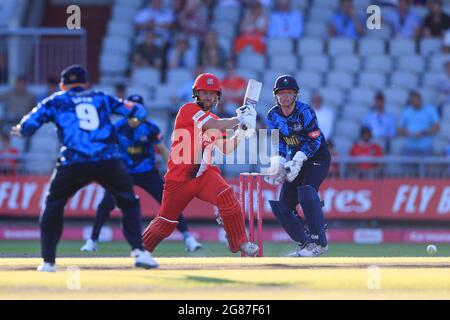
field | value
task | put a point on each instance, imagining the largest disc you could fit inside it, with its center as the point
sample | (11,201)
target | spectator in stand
(8,156)
(253,29)
(17,102)
(419,123)
(156,19)
(443,86)
(233,88)
(212,55)
(193,18)
(285,22)
(325,115)
(366,147)
(148,54)
(182,55)
(380,122)
(52,87)
(347,22)
(120,90)
(436,22)
(405,23)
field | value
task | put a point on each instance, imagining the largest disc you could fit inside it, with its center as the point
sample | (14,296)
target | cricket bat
(252,94)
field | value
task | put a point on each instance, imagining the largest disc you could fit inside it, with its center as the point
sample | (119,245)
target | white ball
(431,249)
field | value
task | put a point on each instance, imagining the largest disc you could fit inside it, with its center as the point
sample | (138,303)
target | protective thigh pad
(159,229)
(233,221)
(310,203)
(312,209)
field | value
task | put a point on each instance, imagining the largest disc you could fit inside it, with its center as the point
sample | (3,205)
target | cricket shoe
(90,245)
(143,259)
(322,250)
(47,267)
(249,249)
(306,250)
(191,244)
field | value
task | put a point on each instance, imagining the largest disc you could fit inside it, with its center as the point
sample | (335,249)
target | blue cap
(136,98)
(74,74)
(285,82)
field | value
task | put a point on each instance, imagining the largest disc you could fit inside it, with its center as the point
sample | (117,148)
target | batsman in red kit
(190,171)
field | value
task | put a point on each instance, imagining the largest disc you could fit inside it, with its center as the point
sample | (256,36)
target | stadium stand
(347,72)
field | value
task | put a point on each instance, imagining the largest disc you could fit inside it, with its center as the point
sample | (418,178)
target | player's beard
(210,106)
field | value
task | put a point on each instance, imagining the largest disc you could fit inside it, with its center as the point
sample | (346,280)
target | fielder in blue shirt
(89,153)
(137,142)
(301,163)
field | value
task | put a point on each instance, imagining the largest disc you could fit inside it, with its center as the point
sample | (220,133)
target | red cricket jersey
(368,149)
(191,149)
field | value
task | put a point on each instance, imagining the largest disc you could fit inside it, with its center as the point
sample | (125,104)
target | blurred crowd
(167,34)
(179,36)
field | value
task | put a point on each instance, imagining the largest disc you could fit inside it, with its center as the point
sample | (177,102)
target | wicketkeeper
(301,165)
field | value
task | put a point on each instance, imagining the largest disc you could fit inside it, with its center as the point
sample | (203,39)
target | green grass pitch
(349,271)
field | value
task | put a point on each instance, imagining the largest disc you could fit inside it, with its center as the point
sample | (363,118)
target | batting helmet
(206,81)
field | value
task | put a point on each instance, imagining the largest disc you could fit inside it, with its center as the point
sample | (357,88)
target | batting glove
(247,121)
(240,134)
(245,111)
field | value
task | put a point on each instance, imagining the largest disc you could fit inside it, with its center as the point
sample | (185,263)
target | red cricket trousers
(177,195)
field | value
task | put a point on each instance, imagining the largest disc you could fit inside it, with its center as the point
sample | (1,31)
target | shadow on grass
(235,282)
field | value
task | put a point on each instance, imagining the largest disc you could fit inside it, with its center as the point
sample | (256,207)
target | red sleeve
(224,133)
(191,114)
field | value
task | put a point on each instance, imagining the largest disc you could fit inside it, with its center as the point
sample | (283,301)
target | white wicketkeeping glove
(276,173)
(294,166)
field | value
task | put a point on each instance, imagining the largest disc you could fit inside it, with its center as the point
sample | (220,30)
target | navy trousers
(66,181)
(313,173)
